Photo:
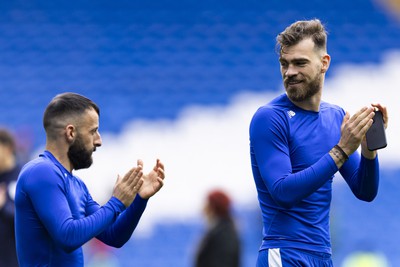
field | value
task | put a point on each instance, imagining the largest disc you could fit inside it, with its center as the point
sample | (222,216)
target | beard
(303,91)
(79,156)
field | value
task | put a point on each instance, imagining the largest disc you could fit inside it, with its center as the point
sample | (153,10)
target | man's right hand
(126,188)
(353,129)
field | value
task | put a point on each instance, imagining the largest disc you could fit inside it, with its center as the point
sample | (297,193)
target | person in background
(55,213)
(297,144)
(220,245)
(9,170)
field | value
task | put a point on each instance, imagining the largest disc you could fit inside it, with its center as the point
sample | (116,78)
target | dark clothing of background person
(8,255)
(220,244)
(220,247)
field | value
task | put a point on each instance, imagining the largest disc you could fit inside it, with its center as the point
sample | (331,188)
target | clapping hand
(128,186)
(153,181)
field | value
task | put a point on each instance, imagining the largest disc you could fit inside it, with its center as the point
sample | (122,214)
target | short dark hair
(301,30)
(63,106)
(7,139)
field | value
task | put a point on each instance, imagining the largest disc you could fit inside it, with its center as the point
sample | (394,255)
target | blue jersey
(293,172)
(55,216)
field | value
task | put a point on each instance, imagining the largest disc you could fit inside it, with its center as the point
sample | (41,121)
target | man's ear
(325,60)
(70,133)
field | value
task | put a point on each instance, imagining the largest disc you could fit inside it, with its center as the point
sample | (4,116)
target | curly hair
(301,30)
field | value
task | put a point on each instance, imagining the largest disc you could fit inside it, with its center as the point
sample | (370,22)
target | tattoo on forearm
(338,155)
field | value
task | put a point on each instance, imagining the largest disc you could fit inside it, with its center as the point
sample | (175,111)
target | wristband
(345,156)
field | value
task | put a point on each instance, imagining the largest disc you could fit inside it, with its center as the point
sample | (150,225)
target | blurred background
(179,80)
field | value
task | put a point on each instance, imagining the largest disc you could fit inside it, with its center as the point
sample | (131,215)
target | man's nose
(291,71)
(98,141)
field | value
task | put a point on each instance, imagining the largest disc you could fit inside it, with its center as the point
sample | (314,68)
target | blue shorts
(289,257)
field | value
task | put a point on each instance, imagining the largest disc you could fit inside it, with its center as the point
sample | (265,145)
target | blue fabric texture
(56,215)
(293,172)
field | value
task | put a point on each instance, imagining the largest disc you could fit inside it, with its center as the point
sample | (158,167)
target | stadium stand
(126,55)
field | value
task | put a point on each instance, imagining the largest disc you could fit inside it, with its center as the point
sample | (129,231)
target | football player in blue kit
(297,144)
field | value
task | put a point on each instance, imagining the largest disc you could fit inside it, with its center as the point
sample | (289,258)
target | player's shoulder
(38,164)
(275,108)
(329,107)
(273,115)
(332,109)
(37,169)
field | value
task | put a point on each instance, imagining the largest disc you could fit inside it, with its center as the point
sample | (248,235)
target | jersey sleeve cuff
(116,205)
(139,201)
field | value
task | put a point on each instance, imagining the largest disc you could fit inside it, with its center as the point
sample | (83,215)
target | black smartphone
(376,137)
